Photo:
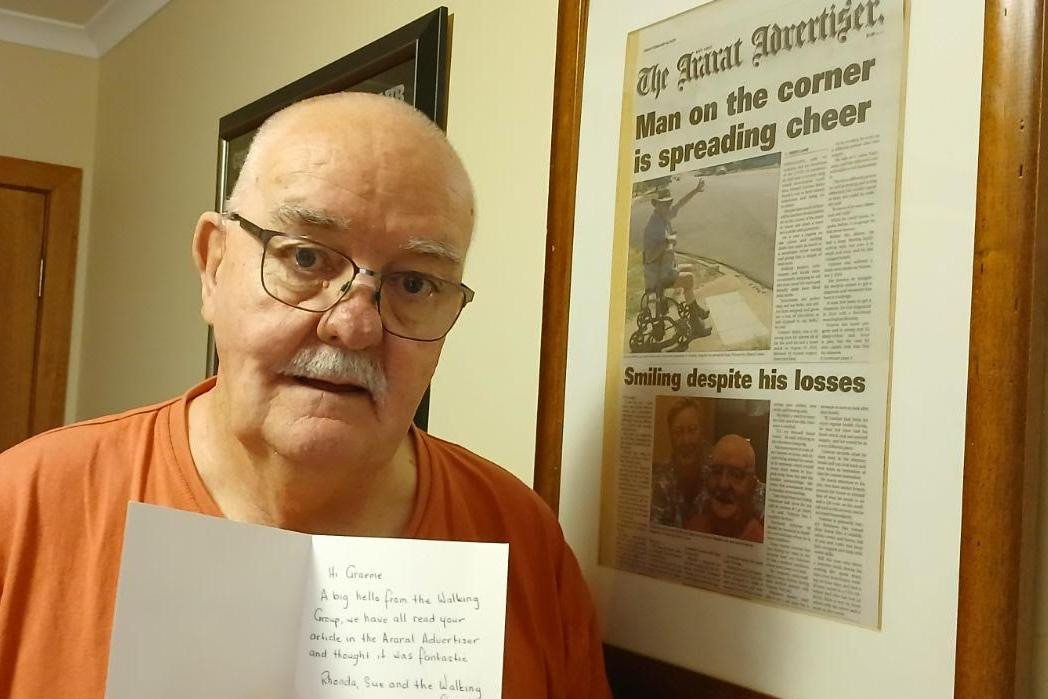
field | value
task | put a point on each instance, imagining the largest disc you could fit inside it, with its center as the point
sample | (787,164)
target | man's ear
(209,247)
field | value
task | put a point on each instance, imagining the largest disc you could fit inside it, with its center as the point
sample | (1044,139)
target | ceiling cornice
(42,33)
(117,19)
(106,29)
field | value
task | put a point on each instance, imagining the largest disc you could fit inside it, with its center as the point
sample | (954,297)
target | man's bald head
(374,124)
(735,450)
(730,484)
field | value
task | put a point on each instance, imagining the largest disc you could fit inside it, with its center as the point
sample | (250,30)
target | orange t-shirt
(63,501)
(753,530)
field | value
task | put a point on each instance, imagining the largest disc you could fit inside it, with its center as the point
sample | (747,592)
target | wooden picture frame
(1005,399)
(409,63)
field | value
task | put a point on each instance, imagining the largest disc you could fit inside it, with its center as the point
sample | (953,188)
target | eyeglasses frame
(264,235)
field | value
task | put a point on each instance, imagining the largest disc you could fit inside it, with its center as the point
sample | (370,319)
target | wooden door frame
(1006,362)
(60,186)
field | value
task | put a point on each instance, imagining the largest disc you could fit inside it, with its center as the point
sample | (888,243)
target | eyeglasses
(305,274)
(684,431)
(736,474)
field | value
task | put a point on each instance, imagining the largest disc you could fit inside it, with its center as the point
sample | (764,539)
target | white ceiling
(82,27)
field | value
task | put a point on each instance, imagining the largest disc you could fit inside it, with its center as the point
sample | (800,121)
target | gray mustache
(325,363)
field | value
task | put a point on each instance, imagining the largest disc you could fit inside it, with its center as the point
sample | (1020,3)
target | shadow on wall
(634,676)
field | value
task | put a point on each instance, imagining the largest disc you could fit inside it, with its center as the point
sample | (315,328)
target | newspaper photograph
(718,254)
(751,302)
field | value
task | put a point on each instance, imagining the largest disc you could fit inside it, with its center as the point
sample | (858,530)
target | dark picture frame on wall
(409,64)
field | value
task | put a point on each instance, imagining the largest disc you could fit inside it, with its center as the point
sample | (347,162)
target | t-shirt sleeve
(582,639)
(6,523)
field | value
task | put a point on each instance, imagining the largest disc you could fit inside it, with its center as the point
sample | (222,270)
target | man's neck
(262,487)
(733,527)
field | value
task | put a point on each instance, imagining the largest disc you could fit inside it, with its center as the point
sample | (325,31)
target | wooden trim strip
(39,176)
(56,310)
(1006,372)
(560,230)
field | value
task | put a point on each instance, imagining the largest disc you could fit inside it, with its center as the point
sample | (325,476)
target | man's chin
(723,512)
(320,440)
(340,430)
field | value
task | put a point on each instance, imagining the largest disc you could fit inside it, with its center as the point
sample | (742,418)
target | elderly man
(661,271)
(330,286)
(731,482)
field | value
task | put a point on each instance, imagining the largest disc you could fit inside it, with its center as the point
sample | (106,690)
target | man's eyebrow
(292,214)
(433,248)
(297,214)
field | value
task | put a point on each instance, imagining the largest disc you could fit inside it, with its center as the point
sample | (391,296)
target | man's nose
(354,321)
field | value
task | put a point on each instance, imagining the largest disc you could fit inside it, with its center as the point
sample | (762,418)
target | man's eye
(306,258)
(310,259)
(417,285)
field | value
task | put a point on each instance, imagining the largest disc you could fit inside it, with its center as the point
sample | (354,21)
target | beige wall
(50,103)
(161,93)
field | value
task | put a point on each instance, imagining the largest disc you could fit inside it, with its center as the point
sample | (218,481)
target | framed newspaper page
(918,637)
(409,64)
(748,347)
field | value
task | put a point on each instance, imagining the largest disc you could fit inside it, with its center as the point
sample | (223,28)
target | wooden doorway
(39,217)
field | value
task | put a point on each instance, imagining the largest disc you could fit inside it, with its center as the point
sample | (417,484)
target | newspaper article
(750,333)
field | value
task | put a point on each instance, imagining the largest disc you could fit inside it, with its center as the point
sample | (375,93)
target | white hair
(334,365)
